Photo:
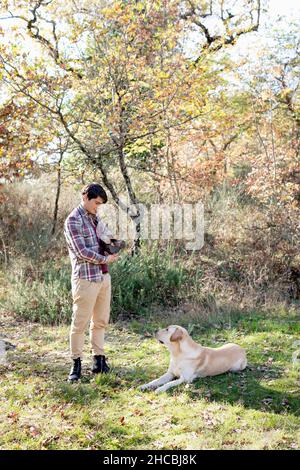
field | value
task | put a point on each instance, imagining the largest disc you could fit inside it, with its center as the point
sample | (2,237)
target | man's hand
(112,258)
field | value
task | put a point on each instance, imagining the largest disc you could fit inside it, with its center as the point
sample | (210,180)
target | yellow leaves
(137,147)
(150,106)
(190,110)
(286,93)
(117,8)
(140,6)
(110,13)
(163,75)
(125,18)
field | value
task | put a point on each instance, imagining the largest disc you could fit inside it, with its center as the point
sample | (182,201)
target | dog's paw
(148,387)
(160,390)
(142,388)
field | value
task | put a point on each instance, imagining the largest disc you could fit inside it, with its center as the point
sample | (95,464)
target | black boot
(75,372)
(100,365)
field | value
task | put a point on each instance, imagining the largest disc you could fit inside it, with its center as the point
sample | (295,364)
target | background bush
(43,292)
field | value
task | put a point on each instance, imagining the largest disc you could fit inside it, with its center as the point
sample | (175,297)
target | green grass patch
(256,409)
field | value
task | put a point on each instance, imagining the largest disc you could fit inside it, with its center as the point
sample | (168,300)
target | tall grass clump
(152,277)
(39,293)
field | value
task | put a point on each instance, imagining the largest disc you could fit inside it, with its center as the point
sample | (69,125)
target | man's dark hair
(94,190)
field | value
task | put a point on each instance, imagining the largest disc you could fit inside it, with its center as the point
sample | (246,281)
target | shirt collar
(85,213)
(82,210)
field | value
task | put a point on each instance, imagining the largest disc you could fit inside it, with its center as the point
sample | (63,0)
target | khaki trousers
(91,303)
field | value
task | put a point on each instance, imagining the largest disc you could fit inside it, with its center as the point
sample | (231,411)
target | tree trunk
(137,240)
(57,194)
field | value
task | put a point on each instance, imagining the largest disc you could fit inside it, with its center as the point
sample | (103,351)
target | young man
(91,283)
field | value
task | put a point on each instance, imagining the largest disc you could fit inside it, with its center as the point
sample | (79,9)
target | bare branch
(34,33)
(216,42)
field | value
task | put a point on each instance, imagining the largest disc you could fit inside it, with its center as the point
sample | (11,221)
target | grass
(256,409)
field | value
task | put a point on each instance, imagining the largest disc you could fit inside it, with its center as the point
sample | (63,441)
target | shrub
(39,293)
(152,277)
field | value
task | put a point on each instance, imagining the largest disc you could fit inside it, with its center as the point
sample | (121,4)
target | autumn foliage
(144,97)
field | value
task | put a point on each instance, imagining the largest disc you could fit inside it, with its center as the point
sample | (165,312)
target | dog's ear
(177,335)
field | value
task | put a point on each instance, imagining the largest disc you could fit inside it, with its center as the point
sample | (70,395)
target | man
(91,283)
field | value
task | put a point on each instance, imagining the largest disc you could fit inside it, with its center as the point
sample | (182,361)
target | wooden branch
(34,33)
(217,42)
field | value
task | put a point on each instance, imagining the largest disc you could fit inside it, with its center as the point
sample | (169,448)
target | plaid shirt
(83,245)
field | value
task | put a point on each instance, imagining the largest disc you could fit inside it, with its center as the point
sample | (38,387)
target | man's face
(92,205)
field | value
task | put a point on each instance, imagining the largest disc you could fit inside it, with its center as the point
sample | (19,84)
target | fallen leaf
(122,420)
(48,441)
(14,416)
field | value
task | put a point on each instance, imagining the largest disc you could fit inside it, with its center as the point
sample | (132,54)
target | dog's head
(172,334)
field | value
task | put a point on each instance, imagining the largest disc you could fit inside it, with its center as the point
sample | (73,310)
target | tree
(114,76)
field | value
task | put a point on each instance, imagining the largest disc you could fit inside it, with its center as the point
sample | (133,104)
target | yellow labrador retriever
(190,360)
